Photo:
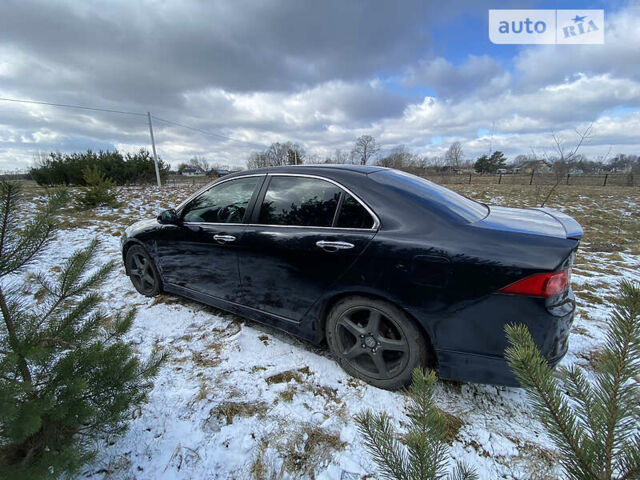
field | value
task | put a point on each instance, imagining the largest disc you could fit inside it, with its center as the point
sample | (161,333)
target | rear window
(353,214)
(438,197)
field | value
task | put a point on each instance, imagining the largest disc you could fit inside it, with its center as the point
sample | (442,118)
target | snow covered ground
(240,400)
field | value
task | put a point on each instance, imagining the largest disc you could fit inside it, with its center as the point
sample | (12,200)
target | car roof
(310,169)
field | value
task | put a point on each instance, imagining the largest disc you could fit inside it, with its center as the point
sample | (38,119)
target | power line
(81,107)
(96,109)
(204,132)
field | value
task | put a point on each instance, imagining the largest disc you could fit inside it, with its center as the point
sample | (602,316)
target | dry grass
(595,359)
(288,375)
(261,468)
(307,449)
(540,461)
(288,394)
(227,411)
(167,300)
(454,424)
(303,449)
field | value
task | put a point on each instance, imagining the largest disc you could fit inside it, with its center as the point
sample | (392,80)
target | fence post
(568,175)
(469,179)
(500,179)
(531,179)
(606,175)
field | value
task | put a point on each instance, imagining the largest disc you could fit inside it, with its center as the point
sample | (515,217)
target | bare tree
(200,162)
(602,160)
(364,149)
(340,157)
(295,154)
(453,157)
(256,160)
(399,158)
(565,154)
(278,154)
(313,159)
(435,162)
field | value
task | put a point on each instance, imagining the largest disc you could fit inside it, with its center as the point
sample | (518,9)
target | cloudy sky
(320,73)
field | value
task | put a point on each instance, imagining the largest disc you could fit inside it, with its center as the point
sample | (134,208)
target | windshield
(435,196)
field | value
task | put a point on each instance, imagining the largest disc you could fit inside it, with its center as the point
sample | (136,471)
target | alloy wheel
(372,342)
(141,273)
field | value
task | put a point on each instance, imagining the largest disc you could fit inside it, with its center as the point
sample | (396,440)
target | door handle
(224,238)
(333,246)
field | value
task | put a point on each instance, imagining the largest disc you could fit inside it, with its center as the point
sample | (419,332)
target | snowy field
(240,400)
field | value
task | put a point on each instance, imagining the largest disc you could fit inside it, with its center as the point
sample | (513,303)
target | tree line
(71,168)
(563,159)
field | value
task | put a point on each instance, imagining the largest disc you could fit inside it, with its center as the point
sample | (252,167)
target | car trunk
(535,221)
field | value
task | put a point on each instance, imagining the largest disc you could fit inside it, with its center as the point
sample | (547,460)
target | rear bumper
(549,326)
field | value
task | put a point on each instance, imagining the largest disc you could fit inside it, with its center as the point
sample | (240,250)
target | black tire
(142,271)
(381,352)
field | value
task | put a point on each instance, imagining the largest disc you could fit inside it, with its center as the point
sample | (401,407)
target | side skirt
(282,323)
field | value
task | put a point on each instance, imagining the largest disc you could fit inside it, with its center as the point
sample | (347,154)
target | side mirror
(169,217)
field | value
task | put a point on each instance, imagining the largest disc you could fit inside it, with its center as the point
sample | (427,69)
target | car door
(200,253)
(305,232)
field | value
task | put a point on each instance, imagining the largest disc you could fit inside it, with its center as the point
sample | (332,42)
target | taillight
(541,284)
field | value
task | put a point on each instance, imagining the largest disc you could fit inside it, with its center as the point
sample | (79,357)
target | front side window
(353,214)
(224,203)
(299,201)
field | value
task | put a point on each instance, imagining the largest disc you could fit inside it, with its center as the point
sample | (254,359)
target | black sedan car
(391,270)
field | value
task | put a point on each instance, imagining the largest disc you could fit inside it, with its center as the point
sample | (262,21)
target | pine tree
(423,454)
(99,189)
(593,423)
(66,375)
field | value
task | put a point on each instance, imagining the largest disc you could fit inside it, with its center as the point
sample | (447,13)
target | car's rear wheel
(375,341)
(143,272)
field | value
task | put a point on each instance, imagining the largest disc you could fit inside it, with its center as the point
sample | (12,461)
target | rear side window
(223,203)
(433,195)
(353,214)
(299,201)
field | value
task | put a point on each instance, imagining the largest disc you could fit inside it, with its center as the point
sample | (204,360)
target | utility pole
(153,146)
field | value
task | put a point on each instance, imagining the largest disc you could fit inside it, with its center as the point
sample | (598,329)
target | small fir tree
(66,375)
(99,190)
(593,423)
(423,454)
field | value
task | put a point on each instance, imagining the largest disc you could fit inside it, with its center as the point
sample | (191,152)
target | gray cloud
(318,73)
(478,76)
(146,52)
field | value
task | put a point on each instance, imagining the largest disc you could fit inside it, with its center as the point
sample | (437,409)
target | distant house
(192,172)
(537,166)
(218,172)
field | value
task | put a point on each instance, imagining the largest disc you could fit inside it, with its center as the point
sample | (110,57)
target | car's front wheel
(375,341)
(142,271)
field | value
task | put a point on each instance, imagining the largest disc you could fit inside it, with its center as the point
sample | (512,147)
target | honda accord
(391,270)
